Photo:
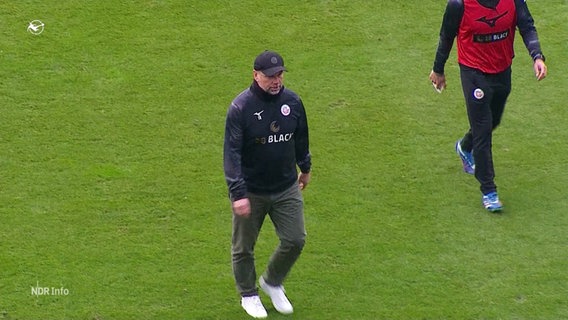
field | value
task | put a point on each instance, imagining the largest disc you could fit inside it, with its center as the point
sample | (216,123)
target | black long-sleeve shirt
(266,136)
(452,20)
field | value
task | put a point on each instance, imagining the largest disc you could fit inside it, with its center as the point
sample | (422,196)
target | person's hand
(540,70)
(438,81)
(304,179)
(241,207)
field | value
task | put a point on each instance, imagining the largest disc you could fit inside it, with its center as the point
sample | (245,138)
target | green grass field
(111,180)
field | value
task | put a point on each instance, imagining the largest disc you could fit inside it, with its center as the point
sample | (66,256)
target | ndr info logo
(49,291)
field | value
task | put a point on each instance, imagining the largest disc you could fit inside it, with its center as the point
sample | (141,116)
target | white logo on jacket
(285,109)
(257,114)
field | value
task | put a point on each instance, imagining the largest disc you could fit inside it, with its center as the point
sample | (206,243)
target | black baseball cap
(269,63)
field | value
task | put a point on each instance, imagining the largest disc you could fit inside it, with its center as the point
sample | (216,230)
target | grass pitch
(111,184)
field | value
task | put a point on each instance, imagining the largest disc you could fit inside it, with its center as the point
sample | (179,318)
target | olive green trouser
(286,210)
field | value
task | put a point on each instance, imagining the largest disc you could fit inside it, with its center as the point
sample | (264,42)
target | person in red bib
(485,33)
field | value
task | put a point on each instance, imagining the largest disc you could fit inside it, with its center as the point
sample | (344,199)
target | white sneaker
(253,306)
(276,294)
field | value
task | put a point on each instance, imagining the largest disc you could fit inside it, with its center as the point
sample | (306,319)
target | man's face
(272,85)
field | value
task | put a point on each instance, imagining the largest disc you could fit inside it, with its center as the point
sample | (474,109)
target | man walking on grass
(485,33)
(266,138)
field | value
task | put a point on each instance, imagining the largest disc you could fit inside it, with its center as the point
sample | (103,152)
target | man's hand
(241,207)
(304,179)
(540,70)
(438,81)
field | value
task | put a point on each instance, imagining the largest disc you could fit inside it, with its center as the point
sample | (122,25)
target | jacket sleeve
(525,23)
(232,154)
(302,142)
(448,32)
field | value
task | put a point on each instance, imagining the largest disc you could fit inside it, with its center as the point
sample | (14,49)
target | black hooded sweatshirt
(266,137)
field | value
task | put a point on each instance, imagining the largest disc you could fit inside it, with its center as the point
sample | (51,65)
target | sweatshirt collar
(263,95)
